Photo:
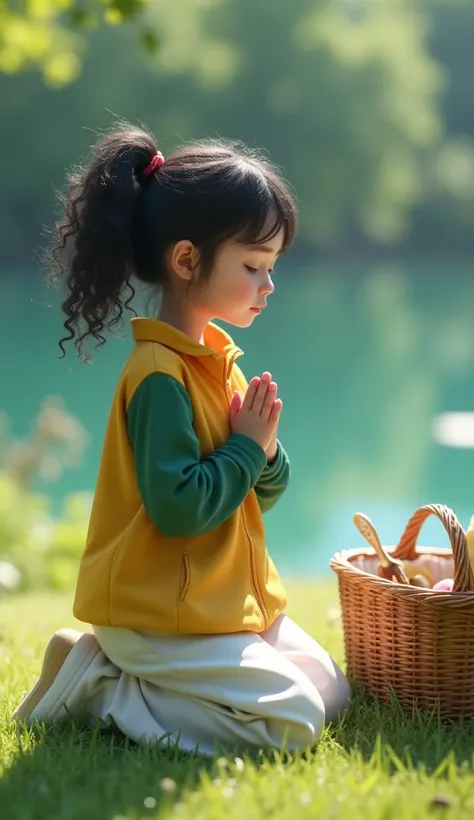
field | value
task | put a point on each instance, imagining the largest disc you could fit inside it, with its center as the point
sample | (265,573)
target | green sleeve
(273,480)
(184,494)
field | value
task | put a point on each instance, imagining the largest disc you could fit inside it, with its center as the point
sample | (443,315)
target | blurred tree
(47,33)
(444,217)
(346,97)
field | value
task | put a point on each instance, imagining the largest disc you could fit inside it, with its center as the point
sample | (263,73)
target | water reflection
(368,363)
(454,429)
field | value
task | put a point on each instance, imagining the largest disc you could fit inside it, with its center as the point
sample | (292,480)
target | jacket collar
(216,340)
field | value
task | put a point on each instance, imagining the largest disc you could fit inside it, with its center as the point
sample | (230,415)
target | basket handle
(406,548)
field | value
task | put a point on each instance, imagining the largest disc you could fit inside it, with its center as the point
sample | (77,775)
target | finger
(269,400)
(235,405)
(276,411)
(250,394)
(253,387)
(260,396)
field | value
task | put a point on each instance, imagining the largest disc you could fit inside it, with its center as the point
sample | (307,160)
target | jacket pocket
(185,577)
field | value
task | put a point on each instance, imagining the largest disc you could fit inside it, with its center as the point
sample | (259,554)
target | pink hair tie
(157,161)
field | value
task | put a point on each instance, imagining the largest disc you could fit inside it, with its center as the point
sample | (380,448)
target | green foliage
(350,96)
(366,106)
(37,549)
(38,33)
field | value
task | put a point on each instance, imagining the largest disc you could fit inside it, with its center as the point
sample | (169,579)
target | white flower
(167,785)
(10,577)
(40,533)
(333,614)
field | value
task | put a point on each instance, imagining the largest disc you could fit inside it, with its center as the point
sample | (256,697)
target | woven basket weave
(417,643)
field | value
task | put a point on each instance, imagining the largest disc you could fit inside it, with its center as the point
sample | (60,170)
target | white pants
(241,690)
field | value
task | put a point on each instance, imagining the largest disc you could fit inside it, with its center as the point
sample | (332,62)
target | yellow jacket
(176,539)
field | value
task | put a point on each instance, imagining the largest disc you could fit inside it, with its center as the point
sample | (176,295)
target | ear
(184,259)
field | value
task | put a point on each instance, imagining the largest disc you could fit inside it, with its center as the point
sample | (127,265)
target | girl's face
(241,281)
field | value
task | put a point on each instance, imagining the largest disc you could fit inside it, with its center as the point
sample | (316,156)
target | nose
(267,287)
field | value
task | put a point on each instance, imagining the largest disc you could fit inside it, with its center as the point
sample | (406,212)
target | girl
(190,639)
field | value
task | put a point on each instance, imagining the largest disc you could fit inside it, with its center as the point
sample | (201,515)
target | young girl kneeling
(190,638)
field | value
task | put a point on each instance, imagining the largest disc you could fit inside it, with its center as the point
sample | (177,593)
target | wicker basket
(417,643)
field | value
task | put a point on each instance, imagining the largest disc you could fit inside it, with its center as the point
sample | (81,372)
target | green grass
(379,764)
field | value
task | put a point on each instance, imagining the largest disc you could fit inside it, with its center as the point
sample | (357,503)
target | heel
(59,647)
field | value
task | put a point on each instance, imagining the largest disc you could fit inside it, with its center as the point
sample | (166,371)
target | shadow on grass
(413,739)
(72,772)
(76,772)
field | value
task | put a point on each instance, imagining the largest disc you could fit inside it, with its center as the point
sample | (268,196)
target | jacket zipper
(257,590)
(227,384)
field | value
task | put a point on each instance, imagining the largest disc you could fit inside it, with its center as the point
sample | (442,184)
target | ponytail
(95,251)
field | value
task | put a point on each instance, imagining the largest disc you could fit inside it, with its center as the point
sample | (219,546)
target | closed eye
(254,270)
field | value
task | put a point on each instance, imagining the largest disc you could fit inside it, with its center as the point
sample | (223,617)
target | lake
(367,361)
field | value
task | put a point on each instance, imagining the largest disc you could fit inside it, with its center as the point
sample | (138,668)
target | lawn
(379,764)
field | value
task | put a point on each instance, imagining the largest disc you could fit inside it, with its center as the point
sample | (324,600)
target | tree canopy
(365,106)
(49,34)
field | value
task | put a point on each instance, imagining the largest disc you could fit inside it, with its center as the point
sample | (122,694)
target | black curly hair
(119,223)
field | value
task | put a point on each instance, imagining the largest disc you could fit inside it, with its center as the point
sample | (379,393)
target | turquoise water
(366,361)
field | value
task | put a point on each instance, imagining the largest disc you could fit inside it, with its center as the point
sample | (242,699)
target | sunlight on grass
(380,763)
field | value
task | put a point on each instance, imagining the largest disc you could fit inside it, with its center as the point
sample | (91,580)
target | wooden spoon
(389,567)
